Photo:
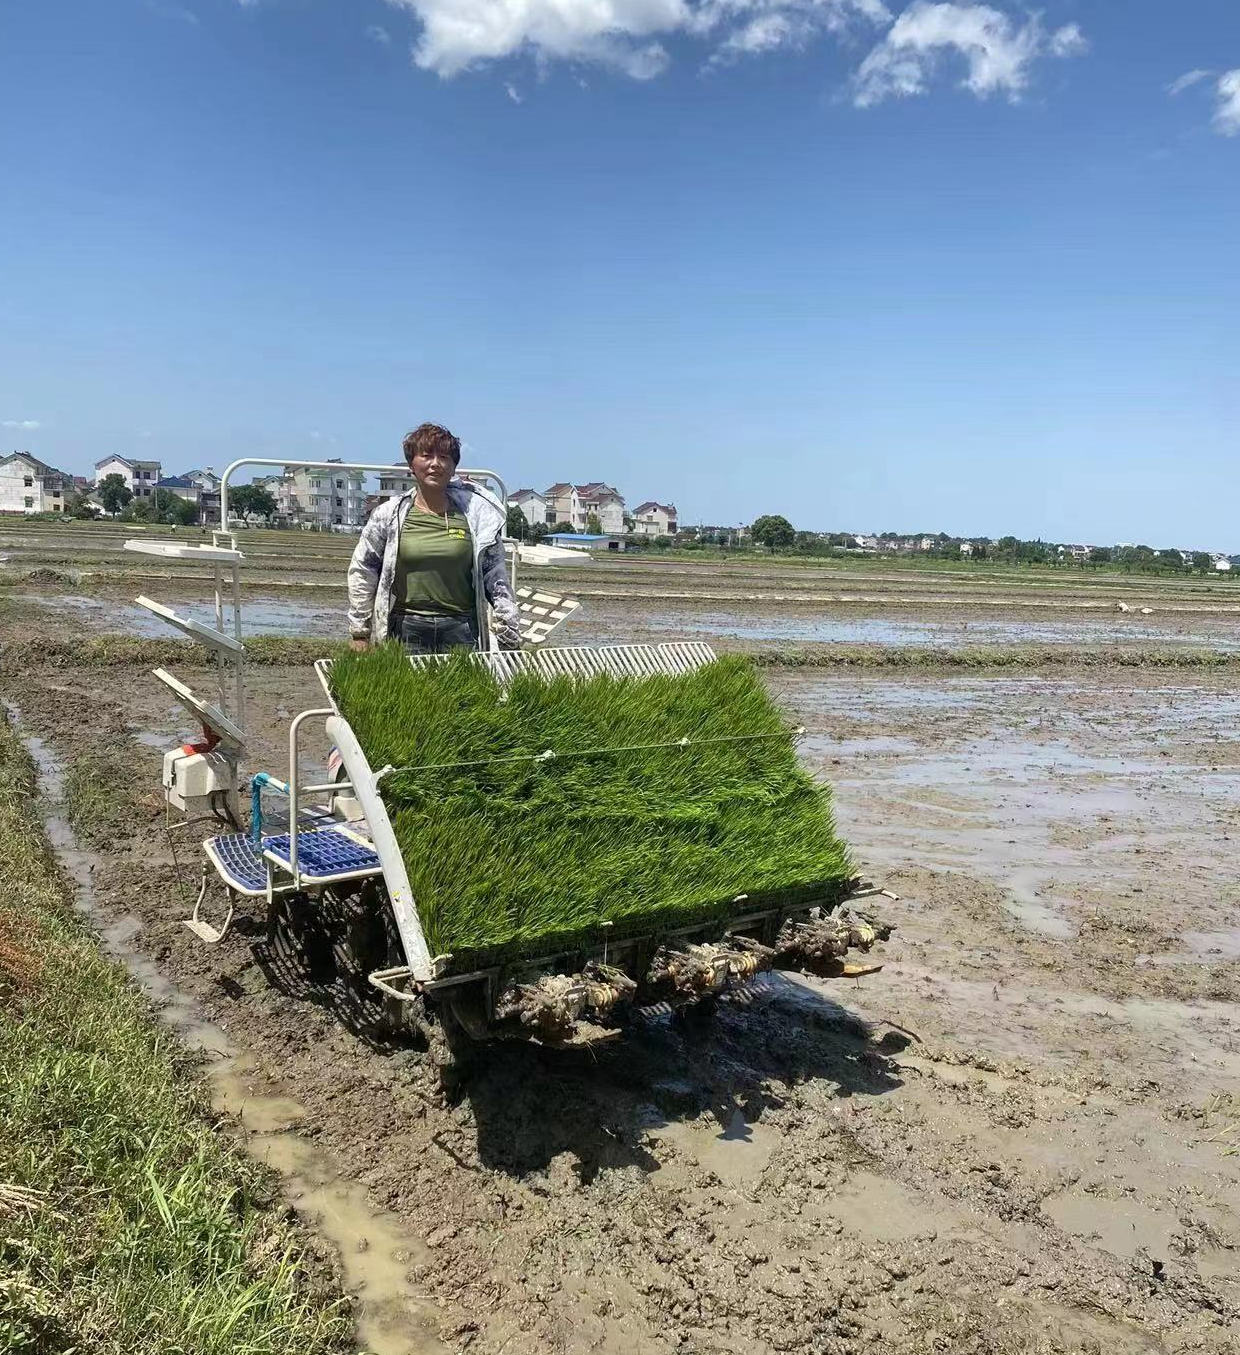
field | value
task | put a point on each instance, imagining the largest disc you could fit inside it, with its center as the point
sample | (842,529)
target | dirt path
(1019,1137)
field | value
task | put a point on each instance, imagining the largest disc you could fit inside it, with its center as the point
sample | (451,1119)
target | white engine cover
(190,778)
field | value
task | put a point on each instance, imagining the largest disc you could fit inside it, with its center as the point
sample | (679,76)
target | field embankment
(128,1223)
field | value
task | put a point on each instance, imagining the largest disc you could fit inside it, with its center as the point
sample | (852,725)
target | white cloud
(1186,81)
(377,33)
(1067,41)
(766,33)
(998,52)
(514,93)
(630,36)
(26,425)
(624,34)
(1227,112)
(457,34)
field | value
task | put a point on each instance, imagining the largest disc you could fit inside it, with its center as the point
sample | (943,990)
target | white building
(655,519)
(28,485)
(322,497)
(533,506)
(140,477)
(395,482)
(601,501)
(575,504)
(563,504)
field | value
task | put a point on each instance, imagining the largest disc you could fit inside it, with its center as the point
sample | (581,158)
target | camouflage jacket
(372,571)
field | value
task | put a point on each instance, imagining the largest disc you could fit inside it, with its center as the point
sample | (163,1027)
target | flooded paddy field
(1022,1135)
(320,612)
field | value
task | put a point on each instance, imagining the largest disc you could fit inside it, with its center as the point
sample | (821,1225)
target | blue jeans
(426,634)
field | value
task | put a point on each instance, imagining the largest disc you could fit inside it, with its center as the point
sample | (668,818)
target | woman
(429,561)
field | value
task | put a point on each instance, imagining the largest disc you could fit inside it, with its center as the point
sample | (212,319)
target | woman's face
(433,469)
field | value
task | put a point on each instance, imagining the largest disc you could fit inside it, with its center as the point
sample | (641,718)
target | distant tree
(165,506)
(662,542)
(563,528)
(515,525)
(772,531)
(1202,561)
(1100,555)
(538,532)
(114,493)
(1134,555)
(593,525)
(77,505)
(252,501)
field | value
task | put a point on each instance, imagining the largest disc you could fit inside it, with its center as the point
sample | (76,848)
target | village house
(655,519)
(1078,553)
(533,506)
(723,536)
(319,497)
(603,502)
(562,504)
(575,504)
(199,487)
(28,485)
(393,483)
(140,476)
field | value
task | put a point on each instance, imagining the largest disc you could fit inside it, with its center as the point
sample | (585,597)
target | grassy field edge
(20,655)
(127,1222)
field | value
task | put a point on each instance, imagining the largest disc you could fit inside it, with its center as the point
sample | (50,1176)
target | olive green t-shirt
(435,564)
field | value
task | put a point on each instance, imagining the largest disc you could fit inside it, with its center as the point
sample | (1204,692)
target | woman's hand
(358,645)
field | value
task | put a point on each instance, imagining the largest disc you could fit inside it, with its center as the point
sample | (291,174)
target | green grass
(24,652)
(525,854)
(128,1226)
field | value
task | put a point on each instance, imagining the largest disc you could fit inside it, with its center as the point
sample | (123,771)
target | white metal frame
(668,658)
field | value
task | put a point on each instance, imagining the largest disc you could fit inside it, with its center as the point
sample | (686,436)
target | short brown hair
(427,437)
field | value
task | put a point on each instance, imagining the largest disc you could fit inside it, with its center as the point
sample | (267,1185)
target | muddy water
(1026,782)
(941,634)
(375,1252)
(259,616)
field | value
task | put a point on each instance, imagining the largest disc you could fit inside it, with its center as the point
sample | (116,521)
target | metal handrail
(293,788)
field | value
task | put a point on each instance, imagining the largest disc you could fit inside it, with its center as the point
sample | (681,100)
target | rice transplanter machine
(331,875)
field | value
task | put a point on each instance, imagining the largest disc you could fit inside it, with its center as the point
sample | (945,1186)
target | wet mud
(372,1250)
(1022,1135)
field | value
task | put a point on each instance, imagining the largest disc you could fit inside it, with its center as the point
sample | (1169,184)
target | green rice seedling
(528,816)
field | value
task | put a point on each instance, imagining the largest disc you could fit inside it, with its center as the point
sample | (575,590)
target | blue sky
(872,264)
